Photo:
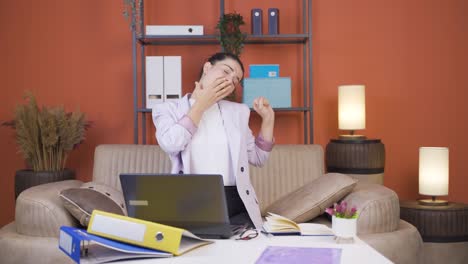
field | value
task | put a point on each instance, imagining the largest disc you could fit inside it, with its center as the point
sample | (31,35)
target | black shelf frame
(213,39)
(276,109)
(305,39)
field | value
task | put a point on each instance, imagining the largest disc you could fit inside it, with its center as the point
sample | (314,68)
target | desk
(236,252)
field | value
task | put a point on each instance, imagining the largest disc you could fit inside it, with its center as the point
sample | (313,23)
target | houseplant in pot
(45,137)
(231,37)
(131,12)
(344,221)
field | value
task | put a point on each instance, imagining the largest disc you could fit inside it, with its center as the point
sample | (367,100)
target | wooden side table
(362,159)
(442,224)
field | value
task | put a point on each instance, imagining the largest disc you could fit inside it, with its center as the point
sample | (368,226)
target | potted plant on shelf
(132,10)
(45,137)
(344,220)
(230,36)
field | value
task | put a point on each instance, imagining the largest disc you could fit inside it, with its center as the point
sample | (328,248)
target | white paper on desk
(100,254)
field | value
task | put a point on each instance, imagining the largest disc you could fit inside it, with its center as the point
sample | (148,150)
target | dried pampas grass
(46,136)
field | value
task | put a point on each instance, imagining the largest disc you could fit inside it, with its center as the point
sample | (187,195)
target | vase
(344,227)
(25,179)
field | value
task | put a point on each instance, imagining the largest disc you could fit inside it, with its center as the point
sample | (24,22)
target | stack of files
(264,81)
(120,237)
(163,79)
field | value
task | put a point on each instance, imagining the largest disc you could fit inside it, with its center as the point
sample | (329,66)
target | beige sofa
(32,237)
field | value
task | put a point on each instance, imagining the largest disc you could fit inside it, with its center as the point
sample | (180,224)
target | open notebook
(280,225)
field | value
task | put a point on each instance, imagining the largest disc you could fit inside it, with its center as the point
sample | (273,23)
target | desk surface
(236,251)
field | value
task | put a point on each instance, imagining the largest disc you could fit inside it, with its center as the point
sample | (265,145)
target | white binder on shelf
(187,30)
(172,78)
(154,81)
(163,79)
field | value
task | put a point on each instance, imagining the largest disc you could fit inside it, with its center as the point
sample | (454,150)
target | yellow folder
(143,233)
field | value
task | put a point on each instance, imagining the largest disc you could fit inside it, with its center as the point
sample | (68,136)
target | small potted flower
(344,220)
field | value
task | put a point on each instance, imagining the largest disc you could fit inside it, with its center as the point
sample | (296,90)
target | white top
(209,147)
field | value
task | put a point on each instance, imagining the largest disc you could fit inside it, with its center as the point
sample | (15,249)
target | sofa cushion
(16,248)
(311,200)
(288,168)
(403,245)
(378,207)
(81,202)
(39,211)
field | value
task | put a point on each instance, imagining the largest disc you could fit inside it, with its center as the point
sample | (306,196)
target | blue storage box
(264,70)
(276,90)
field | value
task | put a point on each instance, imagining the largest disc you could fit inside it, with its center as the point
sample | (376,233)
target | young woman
(202,133)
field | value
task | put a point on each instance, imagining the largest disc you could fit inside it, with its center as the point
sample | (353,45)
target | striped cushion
(311,200)
(288,168)
(81,202)
(40,212)
(378,207)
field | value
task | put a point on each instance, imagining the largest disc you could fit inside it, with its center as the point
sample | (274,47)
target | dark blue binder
(76,243)
(273,21)
(256,20)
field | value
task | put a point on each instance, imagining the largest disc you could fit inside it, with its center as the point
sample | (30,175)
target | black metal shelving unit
(304,39)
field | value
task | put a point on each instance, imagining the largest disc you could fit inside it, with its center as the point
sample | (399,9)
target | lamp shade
(433,171)
(351,107)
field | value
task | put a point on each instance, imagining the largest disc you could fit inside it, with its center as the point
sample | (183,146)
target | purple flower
(338,208)
(330,211)
(344,206)
(342,210)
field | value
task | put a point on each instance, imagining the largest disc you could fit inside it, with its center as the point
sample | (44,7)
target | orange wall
(410,54)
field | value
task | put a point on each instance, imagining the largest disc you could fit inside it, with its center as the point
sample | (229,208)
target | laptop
(194,202)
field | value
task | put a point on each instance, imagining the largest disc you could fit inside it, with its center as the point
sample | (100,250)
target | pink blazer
(174,132)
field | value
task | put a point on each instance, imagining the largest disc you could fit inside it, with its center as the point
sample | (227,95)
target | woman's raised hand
(262,106)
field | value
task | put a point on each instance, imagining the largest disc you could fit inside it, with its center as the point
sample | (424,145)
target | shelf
(281,109)
(277,39)
(178,40)
(212,39)
(153,42)
(289,109)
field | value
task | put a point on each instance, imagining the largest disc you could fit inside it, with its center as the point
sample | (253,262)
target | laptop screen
(181,200)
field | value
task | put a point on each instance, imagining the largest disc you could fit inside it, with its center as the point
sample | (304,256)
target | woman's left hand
(262,106)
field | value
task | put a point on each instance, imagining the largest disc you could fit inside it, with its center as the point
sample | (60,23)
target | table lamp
(355,155)
(433,174)
(351,110)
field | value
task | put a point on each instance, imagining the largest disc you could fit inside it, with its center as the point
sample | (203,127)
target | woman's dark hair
(222,56)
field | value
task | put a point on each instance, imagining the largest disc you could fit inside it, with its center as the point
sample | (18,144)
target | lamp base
(352,137)
(432,202)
